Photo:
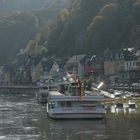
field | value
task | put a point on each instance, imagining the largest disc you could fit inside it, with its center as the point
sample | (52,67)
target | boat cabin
(131,105)
(74,104)
(119,105)
(61,101)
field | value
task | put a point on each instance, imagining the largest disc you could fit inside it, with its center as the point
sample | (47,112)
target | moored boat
(132,107)
(117,108)
(42,94)
(75,104)
(127,107)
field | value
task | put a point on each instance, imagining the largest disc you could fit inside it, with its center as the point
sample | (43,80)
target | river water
(22,118)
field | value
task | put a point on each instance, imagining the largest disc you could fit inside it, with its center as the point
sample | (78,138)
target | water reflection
(123,126)
(76,129)
(22,118)
(16,114)
(123,110)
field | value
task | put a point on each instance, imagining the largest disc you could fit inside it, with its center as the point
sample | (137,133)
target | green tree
(43,51)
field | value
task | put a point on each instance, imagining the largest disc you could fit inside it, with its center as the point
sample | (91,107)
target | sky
(21,5)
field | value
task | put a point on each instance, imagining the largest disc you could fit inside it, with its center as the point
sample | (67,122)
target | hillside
(17,28)
(92,26)
(86,26)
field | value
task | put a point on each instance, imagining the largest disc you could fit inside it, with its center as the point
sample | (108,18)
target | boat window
(119,105)
(62,104)
(49,106)
(100,106)
(68,104)
(44,95)
(45,87)
(132,106)
(62,89)
(73,91)
(52,105)
(89,102)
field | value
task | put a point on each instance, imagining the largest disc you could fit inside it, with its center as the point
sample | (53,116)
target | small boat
(42,94)
(125,106)
(132,107)
(74,104)
(117,108)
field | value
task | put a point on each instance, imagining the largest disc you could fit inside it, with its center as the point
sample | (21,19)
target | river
(22,118)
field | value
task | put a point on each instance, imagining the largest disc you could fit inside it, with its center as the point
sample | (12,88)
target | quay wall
(130,88)
(19,89)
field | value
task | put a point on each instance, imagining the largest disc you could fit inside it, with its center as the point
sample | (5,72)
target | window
(133,63)
(49,106)
(62,104)
(68,104)
(52,105)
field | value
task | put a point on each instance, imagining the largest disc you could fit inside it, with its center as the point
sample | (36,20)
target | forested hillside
(18,28)
(91,26)
(86,26)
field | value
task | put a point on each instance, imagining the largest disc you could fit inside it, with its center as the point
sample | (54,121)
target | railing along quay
(128,88)
(18,89)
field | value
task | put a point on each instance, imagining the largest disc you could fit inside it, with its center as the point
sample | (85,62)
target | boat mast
(79,86)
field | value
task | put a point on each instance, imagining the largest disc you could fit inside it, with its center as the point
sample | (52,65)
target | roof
(76,58)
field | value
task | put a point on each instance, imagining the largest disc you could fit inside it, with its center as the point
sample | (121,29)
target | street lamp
(100,85)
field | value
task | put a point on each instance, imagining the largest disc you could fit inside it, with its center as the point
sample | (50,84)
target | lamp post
(100,85)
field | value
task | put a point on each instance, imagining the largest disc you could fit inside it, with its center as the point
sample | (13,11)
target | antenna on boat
(76,80)
(79,86)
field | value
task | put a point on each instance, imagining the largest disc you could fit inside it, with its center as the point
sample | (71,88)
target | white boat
(132,107)
(42,94)
(125,107)
(129,107)
(74,104)
(117,108)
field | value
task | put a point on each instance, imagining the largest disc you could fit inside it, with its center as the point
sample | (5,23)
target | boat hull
(76,115)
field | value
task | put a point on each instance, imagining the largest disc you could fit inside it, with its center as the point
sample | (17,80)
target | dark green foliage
(87,26)
(14,34)
(94,25)
(18,28)
(69,34)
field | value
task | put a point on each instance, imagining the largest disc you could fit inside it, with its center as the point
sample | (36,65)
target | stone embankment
(18,89)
